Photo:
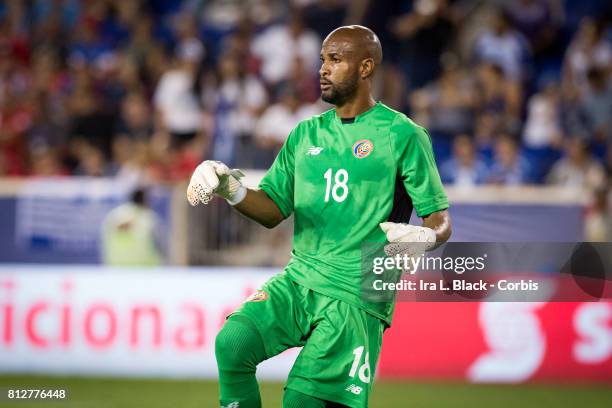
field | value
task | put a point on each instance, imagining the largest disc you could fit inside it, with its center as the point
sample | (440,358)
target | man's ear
(367,68)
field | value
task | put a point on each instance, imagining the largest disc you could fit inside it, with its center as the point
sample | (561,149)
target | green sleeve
(278,183)
(417,167)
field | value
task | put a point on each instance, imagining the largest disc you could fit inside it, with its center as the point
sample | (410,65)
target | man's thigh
(338,360)
(276,309)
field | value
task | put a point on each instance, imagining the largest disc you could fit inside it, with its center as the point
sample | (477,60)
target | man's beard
(342,92)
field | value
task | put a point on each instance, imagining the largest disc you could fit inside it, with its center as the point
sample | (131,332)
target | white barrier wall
(90,320)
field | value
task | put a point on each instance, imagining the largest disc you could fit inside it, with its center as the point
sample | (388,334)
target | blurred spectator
(535,19)
(15,121)
(424,34)
(235,99)
(498,97)
(49,85)
(447,105)
(543,124)
(91,122)
(120,19)
(48,76)
(595,106)
(280,118)
(277,122)
(589,49)
(48,129)
(464,168)
(577,168)
(88,46)
(238,44)
(14,78)
(91,162)
(157,63)
(502,45)
(130,234)
(134,120)
(50,19)
(598,219)
(278,46)
(509,166)
(179,164)
(129,160)
(133,134)
(487,126)
(141,42)
(120,80)
(46,163)
(188,42)
(305,84)
(175,97)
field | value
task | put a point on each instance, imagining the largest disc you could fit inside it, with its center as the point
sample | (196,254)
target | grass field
(110,393)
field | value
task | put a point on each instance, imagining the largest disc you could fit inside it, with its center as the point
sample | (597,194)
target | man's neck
(355,107)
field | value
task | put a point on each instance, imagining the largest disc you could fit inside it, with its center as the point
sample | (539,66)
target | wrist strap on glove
(236,192)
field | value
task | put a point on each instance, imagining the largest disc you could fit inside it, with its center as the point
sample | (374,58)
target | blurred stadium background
(101,98)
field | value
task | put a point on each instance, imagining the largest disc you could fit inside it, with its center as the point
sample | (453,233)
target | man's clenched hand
(406,238)
(213,177)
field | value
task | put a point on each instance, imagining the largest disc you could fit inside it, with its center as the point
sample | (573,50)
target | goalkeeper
(350,175)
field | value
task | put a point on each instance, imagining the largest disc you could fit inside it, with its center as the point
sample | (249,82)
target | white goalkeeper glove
(407,239)
(213,177)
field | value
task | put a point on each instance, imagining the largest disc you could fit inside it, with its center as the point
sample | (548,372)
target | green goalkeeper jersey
(341,179)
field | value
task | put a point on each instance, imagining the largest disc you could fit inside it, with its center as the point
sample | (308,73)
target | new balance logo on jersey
(314,151)
(234,404)
(355,389)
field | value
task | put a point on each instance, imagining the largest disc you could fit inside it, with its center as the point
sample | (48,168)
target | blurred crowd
(511,92)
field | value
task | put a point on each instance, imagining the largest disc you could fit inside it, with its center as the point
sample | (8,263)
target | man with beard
(349,176)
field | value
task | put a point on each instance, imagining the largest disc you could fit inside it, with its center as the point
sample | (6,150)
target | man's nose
(323,71)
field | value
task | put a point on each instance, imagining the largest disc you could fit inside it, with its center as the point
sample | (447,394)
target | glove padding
(213,177)
(407,239)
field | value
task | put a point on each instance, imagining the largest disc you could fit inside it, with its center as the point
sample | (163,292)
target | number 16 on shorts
(362,371)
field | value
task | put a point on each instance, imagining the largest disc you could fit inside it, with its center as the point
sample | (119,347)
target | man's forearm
(259,207)
(440,223)
(215,178)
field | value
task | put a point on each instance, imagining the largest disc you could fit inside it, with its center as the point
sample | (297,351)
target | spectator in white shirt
(175,98)
(280,118)
(578,168)
(589,49)
(276,123)
(543,125)
(278,46)
(504,46)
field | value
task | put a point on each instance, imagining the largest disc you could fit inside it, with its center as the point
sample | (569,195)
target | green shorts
(341,342)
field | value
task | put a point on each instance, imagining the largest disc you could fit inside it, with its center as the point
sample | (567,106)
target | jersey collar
(357,118)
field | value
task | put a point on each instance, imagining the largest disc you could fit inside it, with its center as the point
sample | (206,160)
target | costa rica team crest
(258,296)
(362,148)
